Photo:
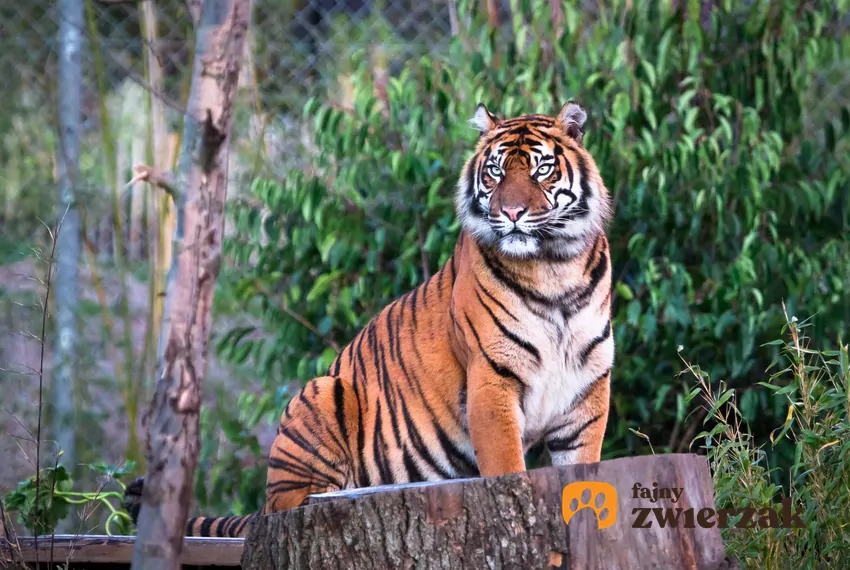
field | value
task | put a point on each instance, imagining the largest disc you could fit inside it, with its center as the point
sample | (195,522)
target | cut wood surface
(513,521)
(119,550)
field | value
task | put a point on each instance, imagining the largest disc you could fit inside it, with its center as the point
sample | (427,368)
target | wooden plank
(197,551)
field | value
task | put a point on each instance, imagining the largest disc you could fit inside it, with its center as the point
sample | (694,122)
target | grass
(817,426)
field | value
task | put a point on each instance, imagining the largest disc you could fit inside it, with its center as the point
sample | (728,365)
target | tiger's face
(531,190)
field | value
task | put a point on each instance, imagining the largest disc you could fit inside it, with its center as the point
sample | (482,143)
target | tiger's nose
(514,212)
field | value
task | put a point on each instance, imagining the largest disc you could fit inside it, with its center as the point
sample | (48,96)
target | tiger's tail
(224,527)
(232,527)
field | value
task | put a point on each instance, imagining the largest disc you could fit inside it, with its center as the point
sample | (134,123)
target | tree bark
(201,186)
(68,244)
(512,521)
(493,14)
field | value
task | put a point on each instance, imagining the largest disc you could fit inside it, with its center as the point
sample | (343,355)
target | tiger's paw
(133,498)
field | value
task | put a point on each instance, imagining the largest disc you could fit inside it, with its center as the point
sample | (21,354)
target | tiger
(507,347)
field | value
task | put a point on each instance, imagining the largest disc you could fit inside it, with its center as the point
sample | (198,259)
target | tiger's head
(531,190)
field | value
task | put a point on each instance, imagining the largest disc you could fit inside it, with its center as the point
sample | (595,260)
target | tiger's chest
(574,352)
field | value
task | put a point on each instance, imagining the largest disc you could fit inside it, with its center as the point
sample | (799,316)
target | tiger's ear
(572,118)
(483,120)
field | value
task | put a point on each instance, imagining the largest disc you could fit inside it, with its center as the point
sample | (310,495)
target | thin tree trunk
(453,20)
(493,20)
(159,214)
(200,187)
(68,246)
(104,240)
(493,14)
(137,199)
(557,18)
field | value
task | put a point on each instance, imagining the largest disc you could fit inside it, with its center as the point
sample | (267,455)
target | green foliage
(27,145)
(41,502)
(727,199)
(814,384)
(36,503)
(235,481)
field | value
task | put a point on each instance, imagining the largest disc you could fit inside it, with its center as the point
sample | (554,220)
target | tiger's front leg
(494,415)
(578,439)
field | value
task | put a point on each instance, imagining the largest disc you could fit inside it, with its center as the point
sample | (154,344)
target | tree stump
(512,521)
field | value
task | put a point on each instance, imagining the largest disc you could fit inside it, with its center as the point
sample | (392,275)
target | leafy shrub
(814,384)
(729,183)
(235,479)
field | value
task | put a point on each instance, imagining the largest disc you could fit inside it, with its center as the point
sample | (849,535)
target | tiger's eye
(544,171)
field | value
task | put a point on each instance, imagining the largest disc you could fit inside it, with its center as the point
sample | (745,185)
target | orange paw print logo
(601,497)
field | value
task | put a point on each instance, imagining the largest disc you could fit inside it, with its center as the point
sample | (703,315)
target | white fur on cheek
(477,227)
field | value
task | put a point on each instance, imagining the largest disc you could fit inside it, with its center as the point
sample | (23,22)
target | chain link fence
(137,59)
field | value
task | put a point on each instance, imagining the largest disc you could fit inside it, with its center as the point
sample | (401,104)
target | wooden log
(514,521)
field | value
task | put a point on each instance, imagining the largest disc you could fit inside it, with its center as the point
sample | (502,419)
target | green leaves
(38,506)
(362,228)
(729,192)
(113,471)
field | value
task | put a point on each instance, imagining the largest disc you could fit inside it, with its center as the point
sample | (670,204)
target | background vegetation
(721,128)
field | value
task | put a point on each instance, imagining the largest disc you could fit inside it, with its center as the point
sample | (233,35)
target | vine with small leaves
(41,502)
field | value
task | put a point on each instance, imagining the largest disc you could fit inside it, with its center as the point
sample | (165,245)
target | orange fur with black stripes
(507,346)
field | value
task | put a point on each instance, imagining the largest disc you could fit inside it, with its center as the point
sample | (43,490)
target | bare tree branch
(150,174)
